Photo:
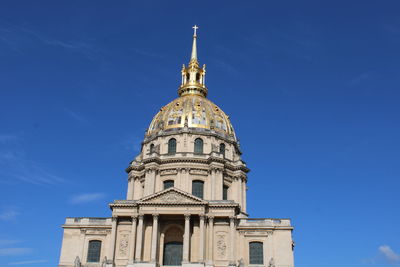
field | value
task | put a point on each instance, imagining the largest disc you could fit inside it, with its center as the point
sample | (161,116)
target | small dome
(192,111)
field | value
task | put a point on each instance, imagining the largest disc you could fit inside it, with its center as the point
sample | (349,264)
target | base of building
(193,264)
(143,264)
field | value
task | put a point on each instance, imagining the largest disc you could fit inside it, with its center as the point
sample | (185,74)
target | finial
(195,30)
(194,47)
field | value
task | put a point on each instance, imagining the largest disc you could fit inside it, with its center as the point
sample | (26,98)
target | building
(186,197)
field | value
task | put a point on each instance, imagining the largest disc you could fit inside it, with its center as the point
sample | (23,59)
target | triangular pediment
(171,196)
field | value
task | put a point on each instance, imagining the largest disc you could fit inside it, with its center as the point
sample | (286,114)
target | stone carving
(271,263)
(198,172)
(221,245)
(104,262)
(172,197)
(241,262)
(77,262)
(168,172)
(123,245)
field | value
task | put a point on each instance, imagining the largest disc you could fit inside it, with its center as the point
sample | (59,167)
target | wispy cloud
(27,262)
(6,242)
(17,37)
(16,166)
(76,115)
(360,78)
(389,254)
(8,214)
(14,251)
(85,198)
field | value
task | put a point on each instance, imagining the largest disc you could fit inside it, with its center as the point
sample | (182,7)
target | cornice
(170,160)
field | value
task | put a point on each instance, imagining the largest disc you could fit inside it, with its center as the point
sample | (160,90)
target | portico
(189,216)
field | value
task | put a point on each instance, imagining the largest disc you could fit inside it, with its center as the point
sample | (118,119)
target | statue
(77,262)
(271,263)
(241,262)
(104,262)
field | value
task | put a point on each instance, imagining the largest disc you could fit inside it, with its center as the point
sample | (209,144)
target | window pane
(256,253)
(94,251)
(172,146)
(198,146)
(197,188)
(168,184)
(222,149)
(225,193)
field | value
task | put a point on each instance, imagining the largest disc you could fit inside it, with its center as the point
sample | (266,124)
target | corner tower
(186,197)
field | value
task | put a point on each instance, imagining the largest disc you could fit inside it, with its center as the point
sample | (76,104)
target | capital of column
(210,218)
(155,216)
(134,218)
(114,218)
(232,219)
(187,216)
(141,216)
(202,217)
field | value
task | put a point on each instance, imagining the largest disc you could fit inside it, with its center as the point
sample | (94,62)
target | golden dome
(192,109)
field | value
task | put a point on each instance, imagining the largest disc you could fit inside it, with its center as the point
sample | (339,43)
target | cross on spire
(195,30)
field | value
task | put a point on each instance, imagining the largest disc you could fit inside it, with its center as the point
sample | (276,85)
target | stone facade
(210,229)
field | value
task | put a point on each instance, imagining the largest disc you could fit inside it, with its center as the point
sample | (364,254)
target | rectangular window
(256,253)
(198,188)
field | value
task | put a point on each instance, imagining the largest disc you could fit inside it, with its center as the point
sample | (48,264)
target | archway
(173,246)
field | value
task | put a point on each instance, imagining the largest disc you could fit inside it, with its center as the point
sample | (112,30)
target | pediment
(171,196)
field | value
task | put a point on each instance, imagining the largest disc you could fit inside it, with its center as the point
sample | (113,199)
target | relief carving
(198,172)
(168,172)
(123,245)
(221,245)
(171,197)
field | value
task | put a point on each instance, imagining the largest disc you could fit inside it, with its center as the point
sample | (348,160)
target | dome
(192,111)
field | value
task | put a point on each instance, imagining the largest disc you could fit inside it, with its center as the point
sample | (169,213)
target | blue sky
(312,89)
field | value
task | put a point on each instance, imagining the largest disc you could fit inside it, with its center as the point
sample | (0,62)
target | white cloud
(389,254)
(5,242)
(14,251)
(85,198)
(16,166)
(27,262)
(8,214)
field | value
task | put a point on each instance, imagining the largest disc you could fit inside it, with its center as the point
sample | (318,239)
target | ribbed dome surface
(192,111)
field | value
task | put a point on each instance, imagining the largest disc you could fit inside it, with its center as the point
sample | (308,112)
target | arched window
(94,250)
(222,149)
(225,192)
(198,188)
(172,146)
(168,184)
(151,148)
(256,253)
(198,146)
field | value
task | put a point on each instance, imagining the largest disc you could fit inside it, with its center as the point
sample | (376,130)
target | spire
(193,76)
(194,47)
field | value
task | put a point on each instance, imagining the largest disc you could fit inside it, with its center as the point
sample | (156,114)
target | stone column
(201,239)
(129,194)
(239,191)
(154,238)
(211,239)
(111,248)
(219,183)
(139,238)
(186,239)
(232,261)
(244,195)
(132,240)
